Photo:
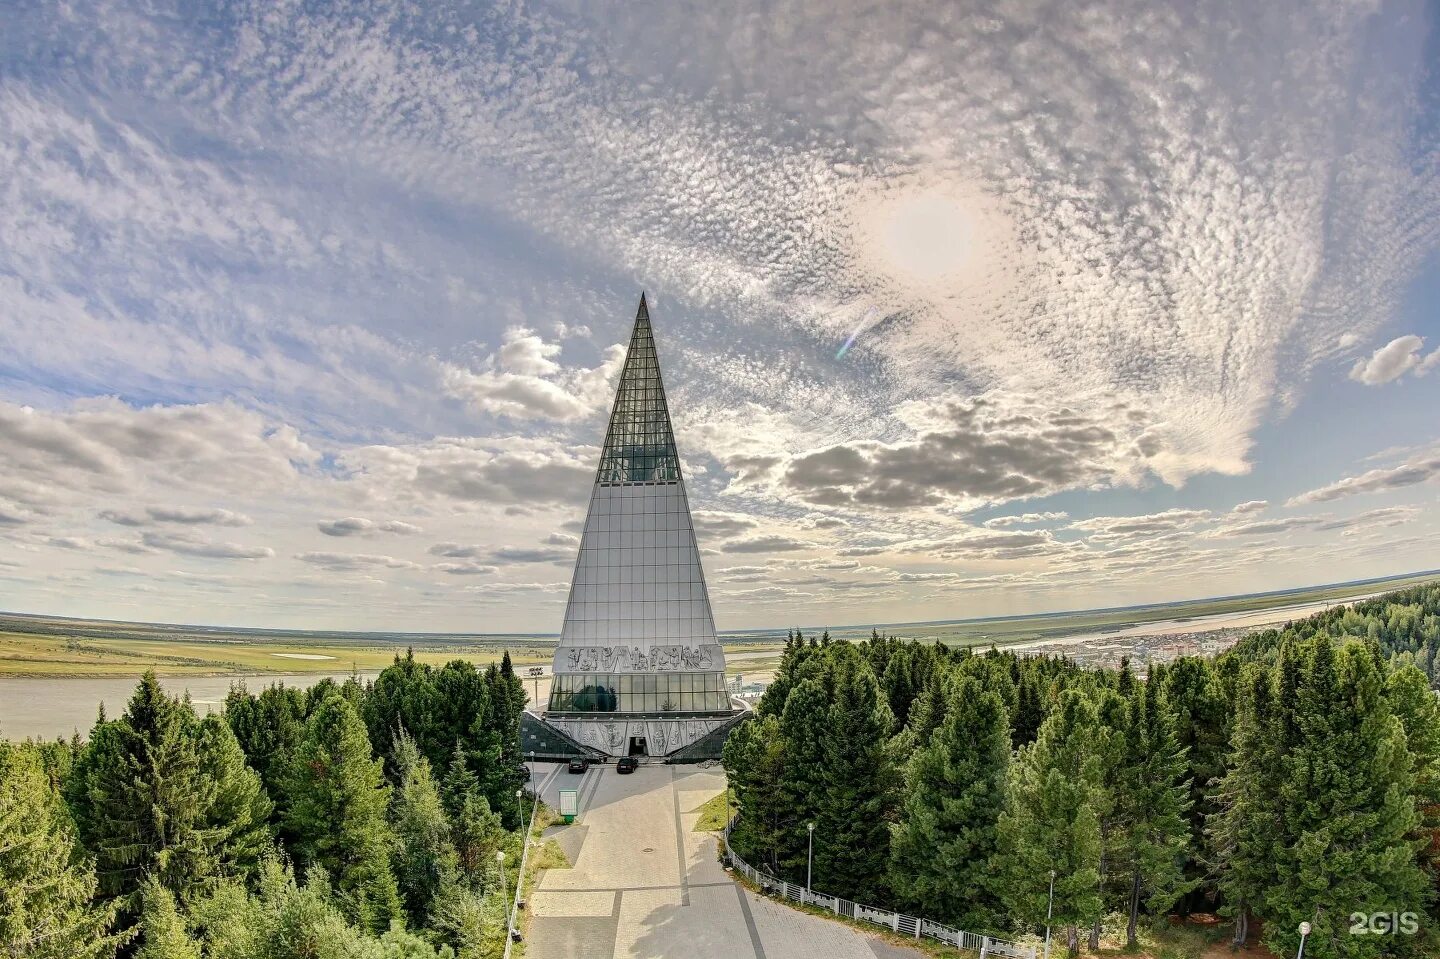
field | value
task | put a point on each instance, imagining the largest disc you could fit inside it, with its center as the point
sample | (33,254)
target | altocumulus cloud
(969,450)
(359,526)
(1153,270)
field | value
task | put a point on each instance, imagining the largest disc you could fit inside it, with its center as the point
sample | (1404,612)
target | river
(49,706)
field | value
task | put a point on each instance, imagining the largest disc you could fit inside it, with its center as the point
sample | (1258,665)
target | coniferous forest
(344,821)
(1295,778)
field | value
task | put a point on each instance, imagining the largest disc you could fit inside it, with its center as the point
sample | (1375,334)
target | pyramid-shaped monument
(638,669)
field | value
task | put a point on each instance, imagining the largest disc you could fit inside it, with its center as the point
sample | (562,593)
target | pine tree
(158,794)
(1347,811)
(239,809)
(804,730)
(1029,711)
(858,784)
(163,932)
(754,758)
(1244,829)
(1414,703)
(772,703)
(268,728)
(336,802)
(45,886)
(424,856)
(1111,712)
(1152,794)
(1202,728)
(1050,823)
(941,849)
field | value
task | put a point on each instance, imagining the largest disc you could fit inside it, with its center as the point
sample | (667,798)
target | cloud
(456,550)
(765,544)
(1419,470)
(347,562)
(522,381)
(552,553)
(358,526)
(175,514)
(1250,506)
(970,450)
(1123,526)
(467,569)
(193,544)
(133,546)
(1384,517)
(1025,519)
(1393,360)
(998,545)
(69,542)
(255,208)
(1268,527)
(721,525)
(502,469)
(531,554)
(103,447)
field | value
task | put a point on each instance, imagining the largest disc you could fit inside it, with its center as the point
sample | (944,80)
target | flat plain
(52,646)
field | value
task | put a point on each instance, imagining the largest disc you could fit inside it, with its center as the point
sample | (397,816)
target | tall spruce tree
(1347,809)
(336,799)
(267,726)
(1202,728)
(163,931)
(858,780)
(754,758)
(1113,718)
(1050,823)
(941,848)
(157,794)
(424,856)
(1152,795)
(1414,703)
(475,830)
(1246,826)
(804,731)
(46,886)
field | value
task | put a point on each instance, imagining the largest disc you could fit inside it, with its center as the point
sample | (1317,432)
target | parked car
(627,764)
(578,765)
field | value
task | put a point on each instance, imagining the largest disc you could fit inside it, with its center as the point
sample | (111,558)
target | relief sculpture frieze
(633,658)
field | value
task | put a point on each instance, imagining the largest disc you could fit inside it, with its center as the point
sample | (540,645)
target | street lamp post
(1304,932)
(1049,912)
(500,858)
(520,801)
(809,855)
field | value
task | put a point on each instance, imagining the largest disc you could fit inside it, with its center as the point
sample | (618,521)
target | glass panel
(640,445)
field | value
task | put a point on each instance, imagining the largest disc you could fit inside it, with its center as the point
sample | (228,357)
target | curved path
(643,884)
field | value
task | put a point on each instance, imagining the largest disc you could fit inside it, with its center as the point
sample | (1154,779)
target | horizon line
(263,630)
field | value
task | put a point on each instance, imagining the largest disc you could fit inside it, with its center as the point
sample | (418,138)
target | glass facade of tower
(639,636)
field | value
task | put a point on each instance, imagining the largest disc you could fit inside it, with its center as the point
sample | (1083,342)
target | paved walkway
(645,885)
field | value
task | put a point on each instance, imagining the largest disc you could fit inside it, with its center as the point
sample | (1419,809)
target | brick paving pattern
(644,885)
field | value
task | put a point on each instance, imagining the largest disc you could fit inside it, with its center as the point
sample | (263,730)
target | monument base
(606,736)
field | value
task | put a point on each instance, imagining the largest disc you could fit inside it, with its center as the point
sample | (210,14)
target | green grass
(29,654)
(712,814)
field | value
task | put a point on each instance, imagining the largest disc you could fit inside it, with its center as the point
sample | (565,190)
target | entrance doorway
(637,745)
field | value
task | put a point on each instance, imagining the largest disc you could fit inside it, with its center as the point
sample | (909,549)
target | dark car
(578,765)
(627,764)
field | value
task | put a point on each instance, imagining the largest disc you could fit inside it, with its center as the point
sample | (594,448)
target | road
(644,885)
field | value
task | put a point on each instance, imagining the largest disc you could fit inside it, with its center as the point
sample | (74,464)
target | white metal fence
(903,925)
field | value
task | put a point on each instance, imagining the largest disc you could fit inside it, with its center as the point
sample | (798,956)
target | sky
(311,313)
